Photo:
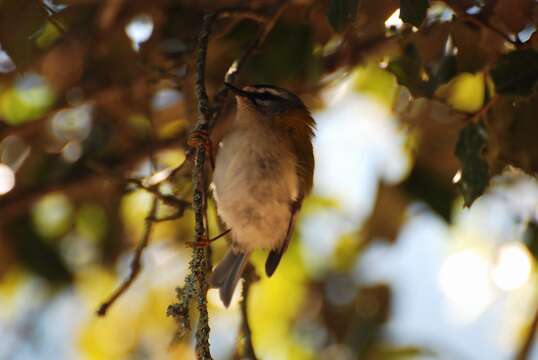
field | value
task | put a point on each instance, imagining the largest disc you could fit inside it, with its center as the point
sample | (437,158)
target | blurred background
(415,119)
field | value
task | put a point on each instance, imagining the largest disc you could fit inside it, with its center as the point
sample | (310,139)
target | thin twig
(171,200)
(204,111)
(136,263)
(484,110)
(176,215)
(249,276)
(237,65)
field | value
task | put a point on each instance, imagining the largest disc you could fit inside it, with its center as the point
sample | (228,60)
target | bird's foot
(201,137)
(205,241)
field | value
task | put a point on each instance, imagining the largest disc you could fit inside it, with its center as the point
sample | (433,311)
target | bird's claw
(199,244)
(201,138)
(204,241)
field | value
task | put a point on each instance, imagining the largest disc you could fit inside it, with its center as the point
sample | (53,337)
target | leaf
(376,82)
(408,70)
(465,92)
(474,169)
(413,11)
(516,73)
(341,13)
(446,69)
(512,129)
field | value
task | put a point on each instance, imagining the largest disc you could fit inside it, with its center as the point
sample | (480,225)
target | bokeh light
(52,215)
(464,278)
(29,98)
(513,267)
(7,179)
(72,124)
(14,151)
(6,64)
(394,20)
(139,29)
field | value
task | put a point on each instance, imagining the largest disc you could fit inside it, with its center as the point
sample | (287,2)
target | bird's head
(272,105)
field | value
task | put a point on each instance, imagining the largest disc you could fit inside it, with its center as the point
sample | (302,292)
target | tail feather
(227,274)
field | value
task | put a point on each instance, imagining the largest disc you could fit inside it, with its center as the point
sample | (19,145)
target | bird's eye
(261,102)
(262,99)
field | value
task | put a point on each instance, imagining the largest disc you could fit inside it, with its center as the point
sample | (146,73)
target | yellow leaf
(464,93)
(376,82)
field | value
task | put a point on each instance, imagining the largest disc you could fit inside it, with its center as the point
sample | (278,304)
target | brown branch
(136,263)
(236,67)
(171,200)
(484,110)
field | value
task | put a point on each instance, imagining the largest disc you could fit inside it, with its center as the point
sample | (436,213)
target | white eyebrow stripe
(268,90)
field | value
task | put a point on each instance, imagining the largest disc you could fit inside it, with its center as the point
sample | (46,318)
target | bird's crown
(269,98)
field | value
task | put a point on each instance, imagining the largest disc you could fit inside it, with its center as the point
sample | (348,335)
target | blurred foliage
(413,11)
(341,13)
(85,103)
(474,170)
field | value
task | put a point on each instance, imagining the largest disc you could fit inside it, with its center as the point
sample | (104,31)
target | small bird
(263,170)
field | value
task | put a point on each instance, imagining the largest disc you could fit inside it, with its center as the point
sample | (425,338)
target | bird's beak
(237,91)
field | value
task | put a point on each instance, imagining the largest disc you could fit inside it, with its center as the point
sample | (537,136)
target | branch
(170,200)
(238,65)
(136,263)
(249,276)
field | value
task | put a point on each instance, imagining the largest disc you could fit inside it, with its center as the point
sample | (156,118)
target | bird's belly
(254,187)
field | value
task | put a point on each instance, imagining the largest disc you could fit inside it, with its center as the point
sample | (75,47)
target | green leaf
(341,13)
(408,69)
(474,169)
(445,69)
(413,11)
(516,73)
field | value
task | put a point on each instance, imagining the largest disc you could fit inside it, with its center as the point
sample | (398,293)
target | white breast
(255,181)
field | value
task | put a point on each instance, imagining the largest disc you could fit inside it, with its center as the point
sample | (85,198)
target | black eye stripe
(258,94)
(265,96)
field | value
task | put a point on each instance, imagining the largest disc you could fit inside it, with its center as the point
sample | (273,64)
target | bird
(263,170)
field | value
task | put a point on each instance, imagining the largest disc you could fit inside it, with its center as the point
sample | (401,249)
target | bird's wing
(305,171)
(275,255)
